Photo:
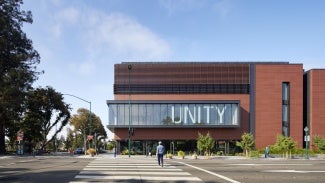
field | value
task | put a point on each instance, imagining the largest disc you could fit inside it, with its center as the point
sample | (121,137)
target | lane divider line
(209,172)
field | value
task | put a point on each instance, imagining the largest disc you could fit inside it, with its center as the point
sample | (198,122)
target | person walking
(267,151)
(160,154)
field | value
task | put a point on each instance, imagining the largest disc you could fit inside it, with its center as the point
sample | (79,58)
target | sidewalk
(110,155)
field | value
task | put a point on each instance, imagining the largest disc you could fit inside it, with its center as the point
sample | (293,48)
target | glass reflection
(175,114)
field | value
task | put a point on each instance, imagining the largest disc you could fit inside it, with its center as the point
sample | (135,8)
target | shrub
(126,152)
(319,142)
(247,143)
(110,146)
(91,151)
(205,143)
(254,154)
(194,155)
(169,155)
(181,154)
(219,153)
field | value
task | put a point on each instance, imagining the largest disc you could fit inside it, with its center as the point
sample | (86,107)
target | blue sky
(80,41)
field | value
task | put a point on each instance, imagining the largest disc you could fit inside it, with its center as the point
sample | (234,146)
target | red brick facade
(258,86)
(268,102)
(316,102)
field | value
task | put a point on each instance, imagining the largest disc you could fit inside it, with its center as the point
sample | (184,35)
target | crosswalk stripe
(133,173)
(127,166)
(129,169)
(116,171)
(146,178)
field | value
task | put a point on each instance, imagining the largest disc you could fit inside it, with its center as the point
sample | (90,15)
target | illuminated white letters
(176,114)
(173,115)
(192,114)
(221,113)
(208,113)
(188,111)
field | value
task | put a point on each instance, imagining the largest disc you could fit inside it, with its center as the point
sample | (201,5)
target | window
(285,108)
(178,114)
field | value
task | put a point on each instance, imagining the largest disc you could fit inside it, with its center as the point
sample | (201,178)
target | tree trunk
(85,144)
(2,138)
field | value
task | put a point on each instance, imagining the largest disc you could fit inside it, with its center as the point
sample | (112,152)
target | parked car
(79,151)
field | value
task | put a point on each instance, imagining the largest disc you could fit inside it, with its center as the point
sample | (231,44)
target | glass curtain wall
(169,114)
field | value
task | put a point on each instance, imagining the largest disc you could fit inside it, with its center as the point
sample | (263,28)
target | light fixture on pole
(307,138)
(89,116)
(129,130)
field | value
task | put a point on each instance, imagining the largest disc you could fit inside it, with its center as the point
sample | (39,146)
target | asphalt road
(29,169)
(256,170)
(106,168)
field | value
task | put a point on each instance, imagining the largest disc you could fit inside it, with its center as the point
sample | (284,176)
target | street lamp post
(89,117)
(129,131)
(306,129)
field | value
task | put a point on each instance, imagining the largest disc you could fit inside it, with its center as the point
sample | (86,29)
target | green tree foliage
(319,142)
(73,140)
(18,61)
(111,145)
(205,143)
(69,140)
(82,125)
(285,145)
(45,112)
(247,143)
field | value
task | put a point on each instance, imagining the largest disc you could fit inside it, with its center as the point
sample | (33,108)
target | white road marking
(293,171)
(145,171)
(133,173)
(128,166)
(252,164)
(124,164)
(146,178)
(129,169)
(209,172)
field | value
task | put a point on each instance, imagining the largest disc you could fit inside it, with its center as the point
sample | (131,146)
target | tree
(285,145)
(82,125)
(205,143)
(247,143)
(69,140)
(45,112)
(319,142)
(18,61)
(98,130)
(111,145)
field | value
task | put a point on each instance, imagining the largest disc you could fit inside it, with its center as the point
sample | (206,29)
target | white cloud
(56,30)
(87,68)
(173,6)
(68,15)
(83,67)
(104,37)
(65,17)
(120,36)
(222,7)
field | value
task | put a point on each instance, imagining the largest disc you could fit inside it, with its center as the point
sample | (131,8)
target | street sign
(307,138)
(20,135)
(90,137)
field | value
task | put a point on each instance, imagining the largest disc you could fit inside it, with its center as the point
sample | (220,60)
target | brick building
(174,101)
(314,102)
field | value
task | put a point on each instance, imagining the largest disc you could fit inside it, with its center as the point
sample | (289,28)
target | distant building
(174,101)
